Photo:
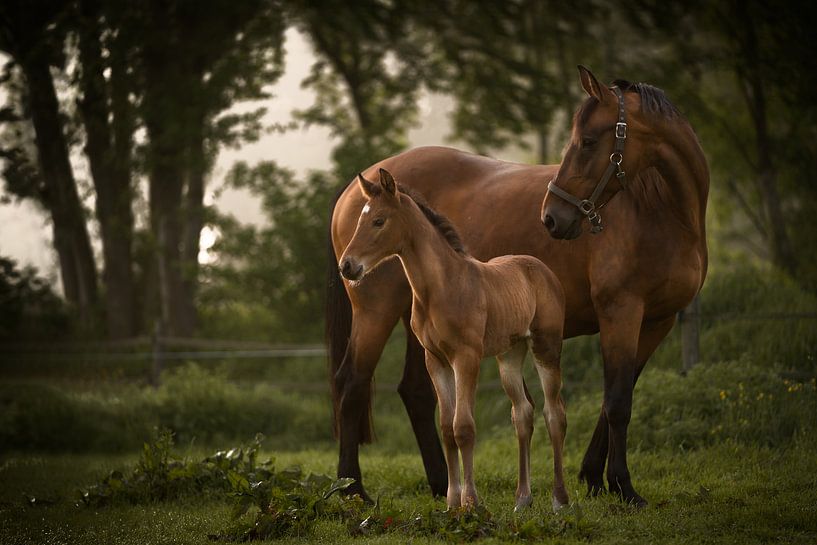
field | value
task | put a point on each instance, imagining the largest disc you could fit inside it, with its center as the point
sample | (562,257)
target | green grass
(718,461)
(726,493)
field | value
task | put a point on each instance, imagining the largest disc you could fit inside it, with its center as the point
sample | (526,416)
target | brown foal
(462,311)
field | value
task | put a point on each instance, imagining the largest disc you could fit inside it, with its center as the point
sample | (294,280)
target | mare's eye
(588,142)
(378,222)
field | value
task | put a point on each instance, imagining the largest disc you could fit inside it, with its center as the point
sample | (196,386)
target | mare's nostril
(549,222)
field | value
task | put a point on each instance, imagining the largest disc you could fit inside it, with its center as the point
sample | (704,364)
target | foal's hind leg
(510,371)
(466,374)
(546,346)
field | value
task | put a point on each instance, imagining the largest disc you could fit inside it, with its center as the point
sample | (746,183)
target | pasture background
(725,454)
(167,126)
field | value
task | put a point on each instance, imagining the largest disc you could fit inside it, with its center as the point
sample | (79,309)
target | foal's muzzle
(350,269)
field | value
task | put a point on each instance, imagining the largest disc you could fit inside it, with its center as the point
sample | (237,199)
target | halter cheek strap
(588,206)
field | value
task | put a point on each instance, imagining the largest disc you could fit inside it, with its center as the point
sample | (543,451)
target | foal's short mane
(440,222)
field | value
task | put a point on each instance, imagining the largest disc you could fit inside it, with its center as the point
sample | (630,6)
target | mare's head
(614,132)
(380,229)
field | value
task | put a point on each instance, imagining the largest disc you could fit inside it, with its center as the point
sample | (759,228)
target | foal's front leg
(510,371)
(466,374)
(442,376)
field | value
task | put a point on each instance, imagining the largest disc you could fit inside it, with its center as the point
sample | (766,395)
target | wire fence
(150,355)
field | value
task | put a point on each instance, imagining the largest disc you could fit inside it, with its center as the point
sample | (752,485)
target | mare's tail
(338,323)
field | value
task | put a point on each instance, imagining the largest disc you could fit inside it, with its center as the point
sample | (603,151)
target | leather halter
(588,206)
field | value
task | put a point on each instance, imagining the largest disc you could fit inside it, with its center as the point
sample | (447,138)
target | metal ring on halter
(586,207)
(619,158)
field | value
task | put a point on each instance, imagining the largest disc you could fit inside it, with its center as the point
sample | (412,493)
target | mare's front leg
(620,324)
(510,372)
(442,376)
(417,393)
(466,375)
(592,469)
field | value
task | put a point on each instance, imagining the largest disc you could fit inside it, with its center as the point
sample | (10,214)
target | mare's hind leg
(417,393)
(370,330)
(546,345)
(444,384)
(510,371)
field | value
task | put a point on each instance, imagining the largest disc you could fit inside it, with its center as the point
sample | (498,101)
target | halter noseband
(588,205)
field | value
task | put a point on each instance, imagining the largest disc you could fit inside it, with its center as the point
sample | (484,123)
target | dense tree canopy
(144,93)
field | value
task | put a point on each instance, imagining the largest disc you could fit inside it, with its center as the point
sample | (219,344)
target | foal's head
(380,228)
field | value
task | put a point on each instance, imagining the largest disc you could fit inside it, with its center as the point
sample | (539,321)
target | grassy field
(726,454)
(733,467)
(729,493)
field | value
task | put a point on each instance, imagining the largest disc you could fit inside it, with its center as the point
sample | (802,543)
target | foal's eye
(378,222)
(588,142)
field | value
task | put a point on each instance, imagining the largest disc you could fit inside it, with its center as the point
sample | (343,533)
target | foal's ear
(387,182)
(591,85)
(368,188)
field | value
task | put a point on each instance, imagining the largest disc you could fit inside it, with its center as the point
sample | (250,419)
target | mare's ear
(368,188)
(591,85)
(387,182)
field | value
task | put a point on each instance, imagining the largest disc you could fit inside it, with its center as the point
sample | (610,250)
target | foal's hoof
(523,503)
(559,501)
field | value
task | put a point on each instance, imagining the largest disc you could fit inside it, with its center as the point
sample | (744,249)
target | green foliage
(366,78)
(28,306)
(161,476)
(196,405)
(752,313)
(510,67)
(268,281)
(732,401)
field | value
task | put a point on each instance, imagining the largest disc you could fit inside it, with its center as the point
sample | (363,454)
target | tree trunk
(70,232)
(193,218)
(751,78)
(164,104)
(111,181)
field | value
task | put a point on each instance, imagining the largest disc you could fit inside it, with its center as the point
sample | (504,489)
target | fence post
(690,339)
(157,360)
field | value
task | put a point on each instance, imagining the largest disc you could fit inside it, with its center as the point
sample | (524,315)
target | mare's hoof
(357,490)
(523,503)
(636,501)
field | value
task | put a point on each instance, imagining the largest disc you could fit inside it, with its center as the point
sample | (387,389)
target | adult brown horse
(626,282)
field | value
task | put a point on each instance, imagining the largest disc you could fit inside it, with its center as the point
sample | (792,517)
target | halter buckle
(595,222)
(621,130)
(587,208)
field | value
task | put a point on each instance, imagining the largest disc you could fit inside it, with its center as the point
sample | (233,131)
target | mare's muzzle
(561,222)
